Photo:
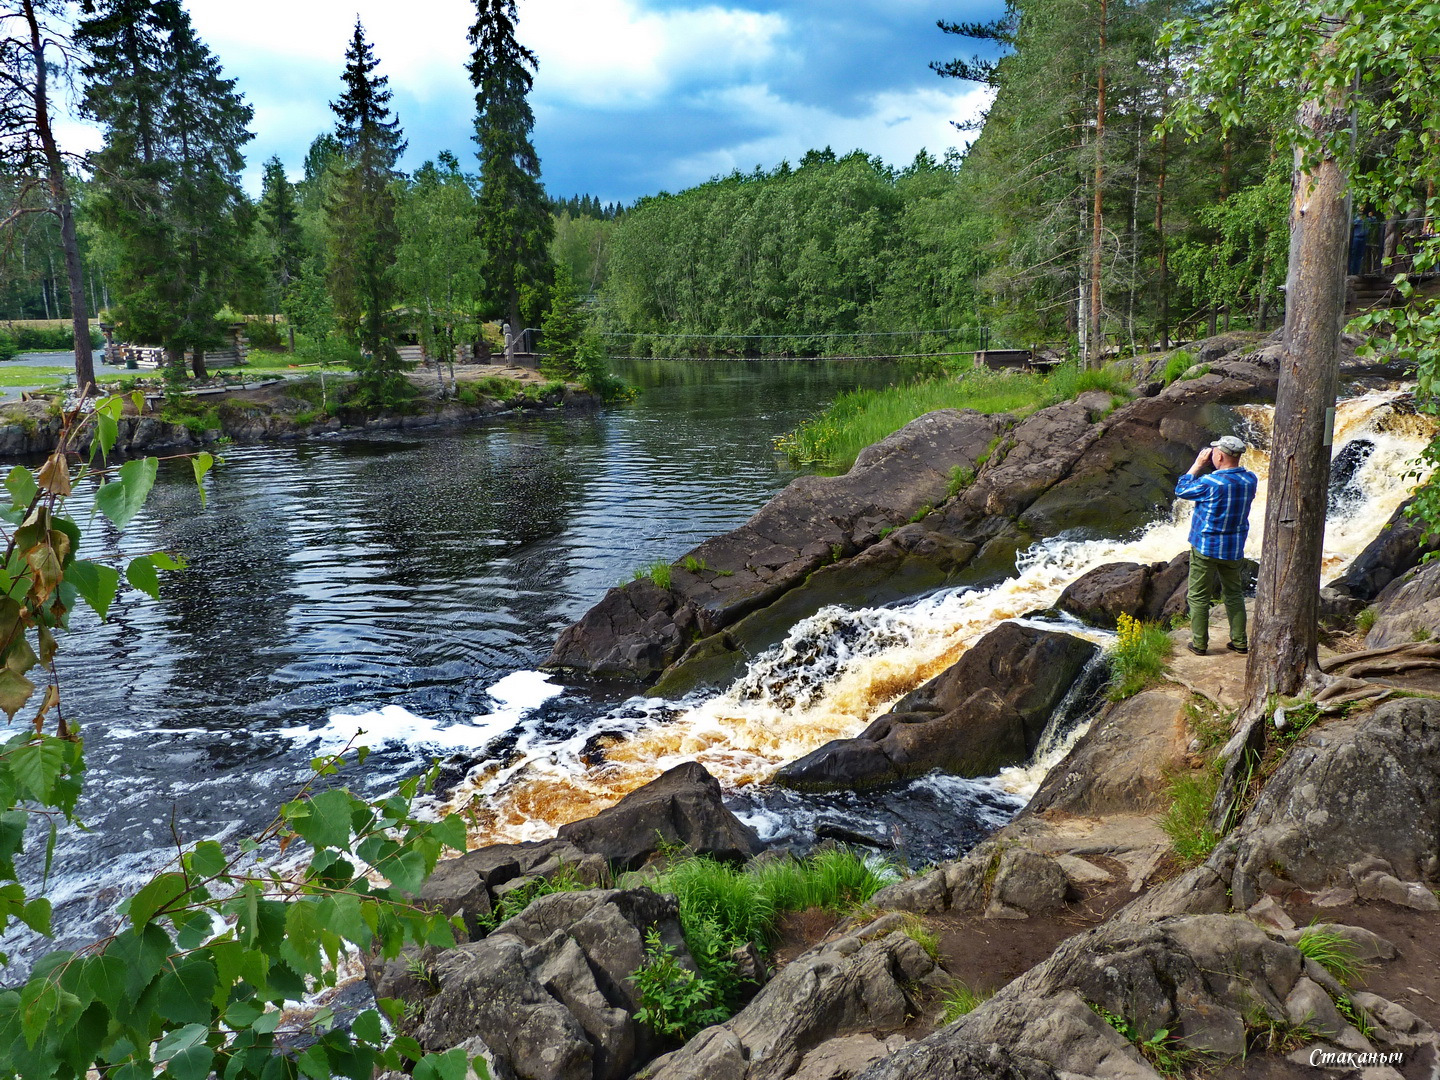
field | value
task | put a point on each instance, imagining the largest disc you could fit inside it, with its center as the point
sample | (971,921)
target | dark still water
(347,576)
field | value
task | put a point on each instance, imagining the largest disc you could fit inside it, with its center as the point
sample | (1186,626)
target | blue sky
(632,96)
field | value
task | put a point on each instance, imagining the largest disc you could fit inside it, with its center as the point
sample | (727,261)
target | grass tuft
(960,1001)
(1138,657)
(1333,952)
(1186,823)
(1179,363)
(658,572)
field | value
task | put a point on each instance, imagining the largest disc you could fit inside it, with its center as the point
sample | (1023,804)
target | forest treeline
(155,232)
(1077,216)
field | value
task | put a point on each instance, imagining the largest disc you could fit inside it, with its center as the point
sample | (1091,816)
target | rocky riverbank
(284,410)
(1117,940)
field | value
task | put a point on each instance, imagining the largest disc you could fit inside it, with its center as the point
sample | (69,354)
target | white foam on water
(515,696)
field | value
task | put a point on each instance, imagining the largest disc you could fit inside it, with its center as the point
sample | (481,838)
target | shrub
(723,908)
(960,1001)
(8,349)
(1186,823)
(675,1003)
(1137,657)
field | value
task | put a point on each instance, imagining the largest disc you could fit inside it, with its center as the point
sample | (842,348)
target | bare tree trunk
(1283,650)
(197,363)
(1097,225)
(60,202)
(1283,646)
(1162,265)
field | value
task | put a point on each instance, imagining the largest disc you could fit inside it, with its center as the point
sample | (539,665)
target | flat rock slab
(1218,675)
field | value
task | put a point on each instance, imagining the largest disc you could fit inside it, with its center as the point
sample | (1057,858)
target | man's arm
(1190,485)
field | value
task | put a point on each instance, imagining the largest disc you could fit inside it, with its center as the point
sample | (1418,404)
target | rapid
(839,669)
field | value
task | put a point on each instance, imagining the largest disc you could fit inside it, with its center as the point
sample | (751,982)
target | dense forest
(1084,212)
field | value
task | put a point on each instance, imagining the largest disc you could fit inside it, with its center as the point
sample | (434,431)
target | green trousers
(1203,572)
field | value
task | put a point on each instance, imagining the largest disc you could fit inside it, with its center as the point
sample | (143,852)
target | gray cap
(1230,444)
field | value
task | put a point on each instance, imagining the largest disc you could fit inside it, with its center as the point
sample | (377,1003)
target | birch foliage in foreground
(196,978)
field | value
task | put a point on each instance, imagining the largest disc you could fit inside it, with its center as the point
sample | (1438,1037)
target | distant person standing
(1217,538)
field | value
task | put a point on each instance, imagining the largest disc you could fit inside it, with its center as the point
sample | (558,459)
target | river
(347,575)
(408,589)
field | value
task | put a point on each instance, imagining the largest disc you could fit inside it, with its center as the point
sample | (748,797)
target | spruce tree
(515,224)
(363,239)
(167,187)
(280,221)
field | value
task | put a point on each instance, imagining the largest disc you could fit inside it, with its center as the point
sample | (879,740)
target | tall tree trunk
(1162,265)
(1283,650)
(1283,658)
(60,202)
(197,363)
(1097,224)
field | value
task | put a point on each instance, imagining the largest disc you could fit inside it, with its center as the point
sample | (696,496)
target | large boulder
(1365,787)
(470,886)
(549,992)
(839,988)
(808,525)
(683,807)
(1145,592)
(986,711)
(1197,978)
(1408,609)
(823,540)
(1123,764)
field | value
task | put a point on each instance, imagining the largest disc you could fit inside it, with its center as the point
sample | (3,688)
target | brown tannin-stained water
(408,588)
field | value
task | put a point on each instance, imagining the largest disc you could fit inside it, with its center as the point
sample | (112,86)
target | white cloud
(617,54)
(895,126)
(421,45)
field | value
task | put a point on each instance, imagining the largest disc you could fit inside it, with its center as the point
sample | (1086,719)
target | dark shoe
(1193,649)
(1241,649)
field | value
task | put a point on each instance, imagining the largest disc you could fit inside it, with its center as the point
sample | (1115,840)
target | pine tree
(167,188)
(515,224)
(32,53)
(363,238)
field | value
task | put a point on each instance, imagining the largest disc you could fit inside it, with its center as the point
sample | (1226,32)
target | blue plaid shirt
(1222,510)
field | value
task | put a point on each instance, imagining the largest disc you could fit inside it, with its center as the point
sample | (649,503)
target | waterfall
(838,669)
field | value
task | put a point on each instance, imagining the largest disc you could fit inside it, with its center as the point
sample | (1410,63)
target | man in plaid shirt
(1217,538)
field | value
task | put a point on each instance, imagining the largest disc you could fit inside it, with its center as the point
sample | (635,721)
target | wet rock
(1365,787)
(1123,764)
(986,711)
(810,524)
(681,807)
(840,988)
(1145,592)
(637,629)
(914,559)
(1397,548)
